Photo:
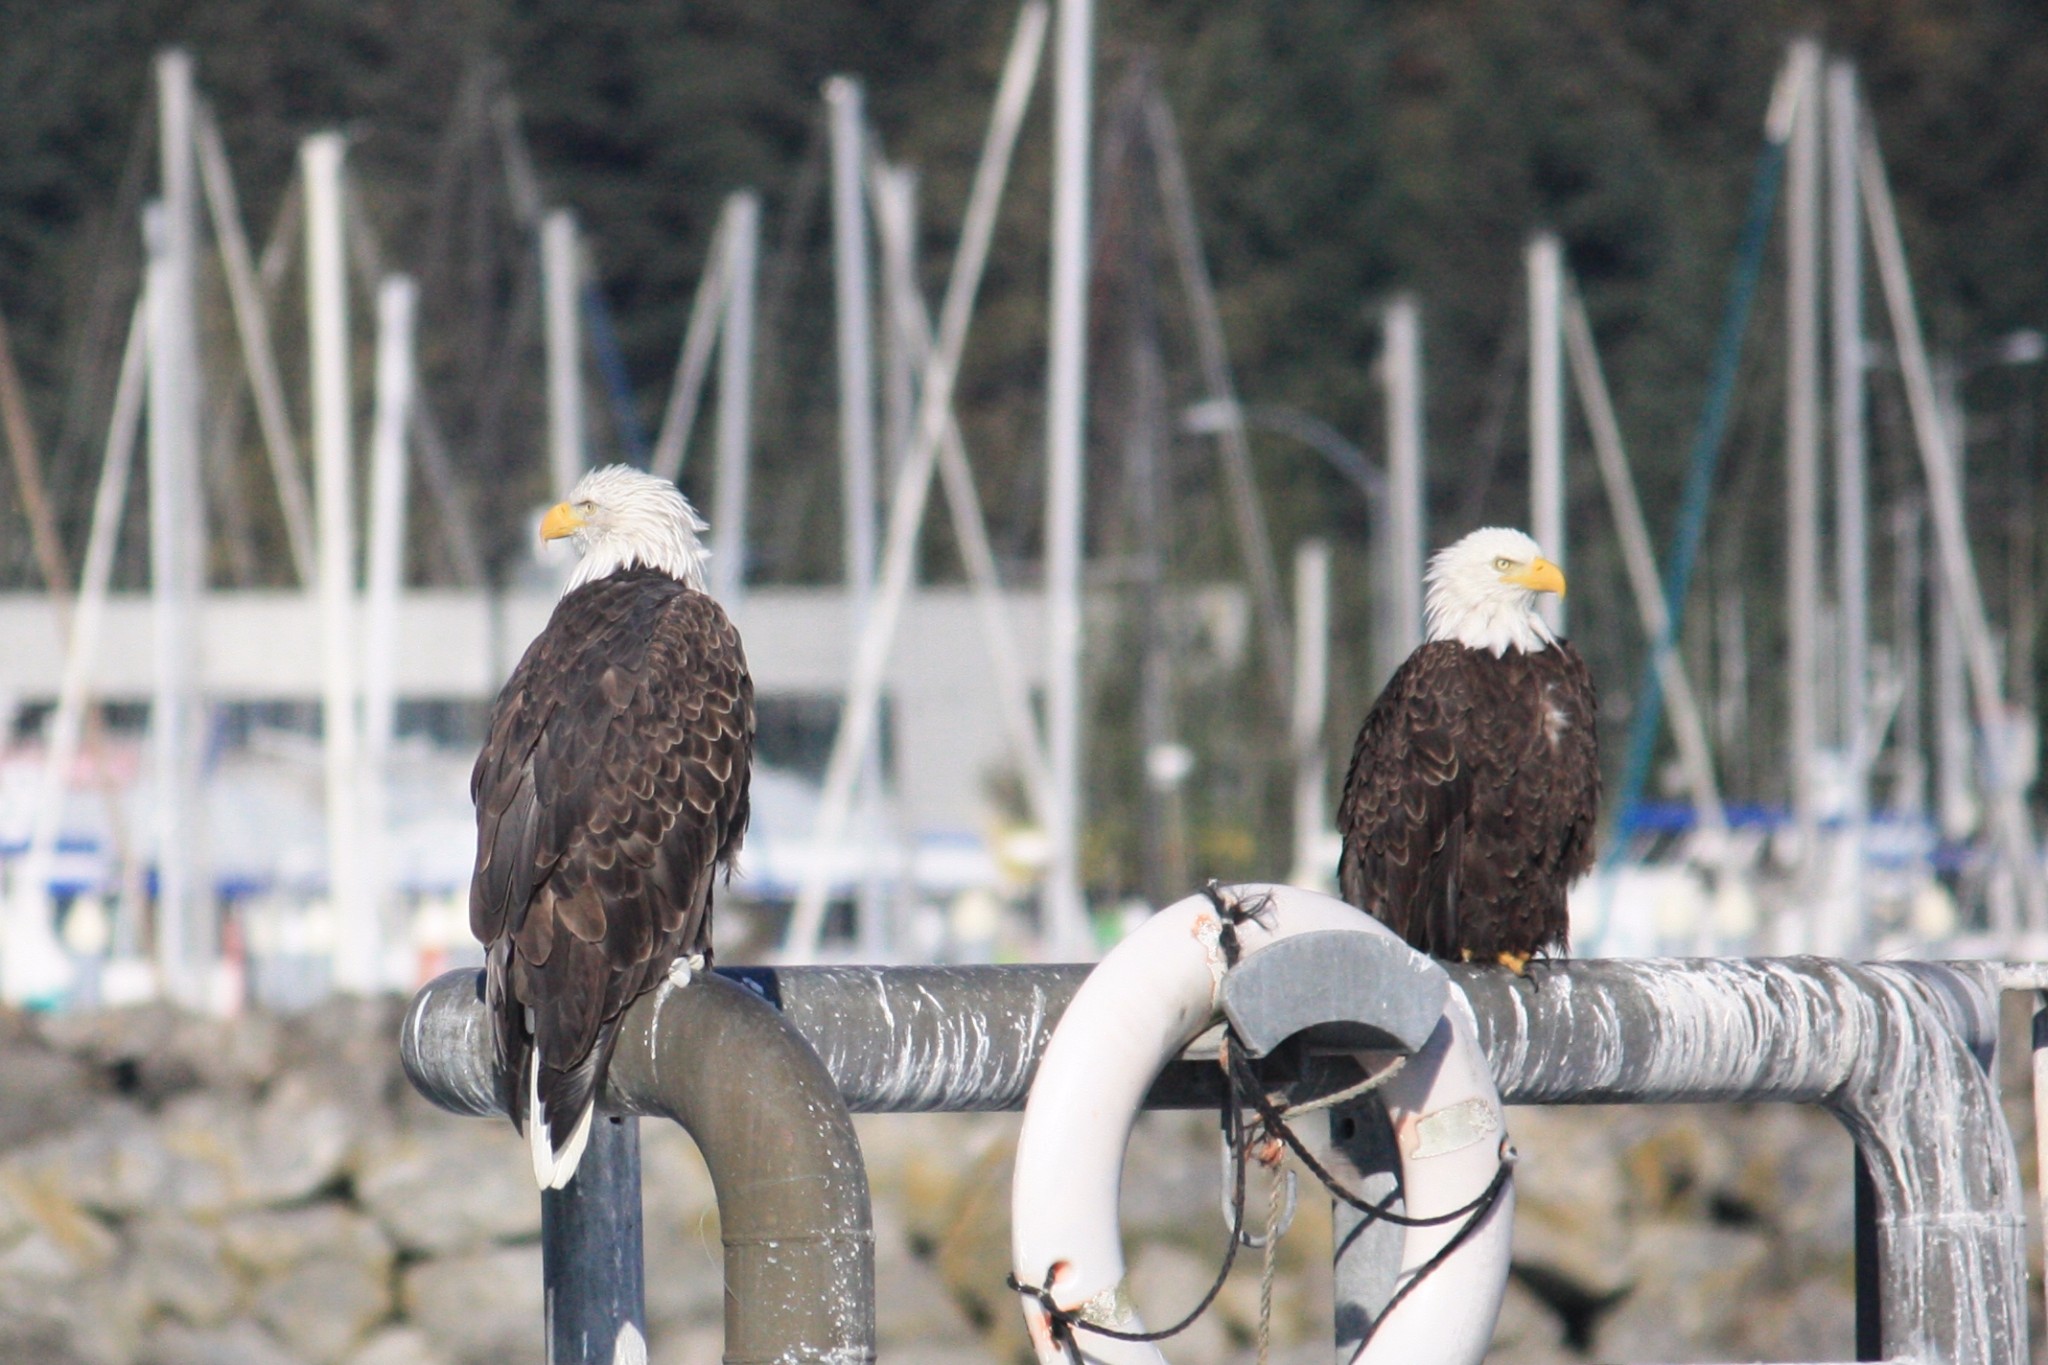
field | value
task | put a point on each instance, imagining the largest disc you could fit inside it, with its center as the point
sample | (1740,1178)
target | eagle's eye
(1503,564)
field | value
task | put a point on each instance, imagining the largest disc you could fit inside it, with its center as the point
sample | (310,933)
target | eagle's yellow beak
(1540,576)
(564,520)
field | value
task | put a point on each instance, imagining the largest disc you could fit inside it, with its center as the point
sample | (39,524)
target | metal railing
(763,1068)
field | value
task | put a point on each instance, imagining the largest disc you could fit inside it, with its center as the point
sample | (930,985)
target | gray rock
(482,1307)
(1572,1214)
(58,1239)
(1815,1321)
(88,1316)
(322,1275)
(912,1307)
(230,1157)
(153,1052)
(450,1187)
(928,1353)
(349,1047)
(971,1249)
(1528,1332)
(1165,1282)
(1693,1286)
(240,1343)
(699,1346)
(115,1163)
(675,1188)
(178,1266)
(42,1090)
(270,1242)
(1177,1188)
(30,1340)
(685,1262)
(323,1308)
(1794,1177)
(397,1346)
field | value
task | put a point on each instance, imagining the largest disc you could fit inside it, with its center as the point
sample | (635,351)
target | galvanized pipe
(792,1190)
(1896,1051)
(593,1256)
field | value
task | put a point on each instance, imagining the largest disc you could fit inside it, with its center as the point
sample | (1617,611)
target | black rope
(1240,1084)
(1484,1204)
(1275,1123)
(1063,1321)
(1233,912)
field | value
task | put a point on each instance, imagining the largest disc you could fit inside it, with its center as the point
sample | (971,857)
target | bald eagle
(611,789)
(1475,781)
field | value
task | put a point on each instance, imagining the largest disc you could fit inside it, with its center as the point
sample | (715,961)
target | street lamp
(1214,415)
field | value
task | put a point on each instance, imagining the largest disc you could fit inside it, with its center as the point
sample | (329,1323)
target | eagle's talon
(1518,963)
(683,968)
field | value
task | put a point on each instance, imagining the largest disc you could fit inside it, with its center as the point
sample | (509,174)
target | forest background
(1339,152)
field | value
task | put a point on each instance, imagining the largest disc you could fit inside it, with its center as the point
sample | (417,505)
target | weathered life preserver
(1142,1005)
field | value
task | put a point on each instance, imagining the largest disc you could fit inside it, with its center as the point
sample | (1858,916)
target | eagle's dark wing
(1573,772)
(1401,816)
(1579,792)
(1534,754)
(612,786)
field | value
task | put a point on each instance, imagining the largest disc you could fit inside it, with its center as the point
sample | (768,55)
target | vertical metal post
(844,104)
(320,158)
(1802,471)
(1955,796)
(592,1248)
(1262,573)
(1162,841)
(1401,373)
(1365,1252)
(2040,1060)
(1941,463)
(1852,494)
(1955,799)
(1909,587)
(855,300)
(1066,918)
(259,357)
(1545,259)
(397,297)
(700,336)
(33,965)
(735,399)
(913,481)
(1687,726)
(1869,1267)
(896,187)
(561,273)
(1311,692)
(177,548)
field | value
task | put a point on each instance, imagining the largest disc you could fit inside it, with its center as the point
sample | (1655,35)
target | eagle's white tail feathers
(552,1169)
(629,1347)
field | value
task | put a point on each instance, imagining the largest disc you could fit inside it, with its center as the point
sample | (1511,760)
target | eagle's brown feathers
(612,788)
(1471,799)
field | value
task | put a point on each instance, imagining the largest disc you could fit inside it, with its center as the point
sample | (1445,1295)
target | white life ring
(1141,1006)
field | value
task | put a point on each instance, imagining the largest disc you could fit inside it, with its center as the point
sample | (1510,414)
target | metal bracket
(1344,992)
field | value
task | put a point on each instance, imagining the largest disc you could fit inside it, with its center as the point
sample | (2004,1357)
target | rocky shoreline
(176,1190)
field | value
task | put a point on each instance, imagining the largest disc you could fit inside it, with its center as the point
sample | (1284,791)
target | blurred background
(310,309)
(1267,189)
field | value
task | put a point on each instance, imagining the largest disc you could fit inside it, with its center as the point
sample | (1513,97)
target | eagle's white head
(620,518)
(1482,592)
